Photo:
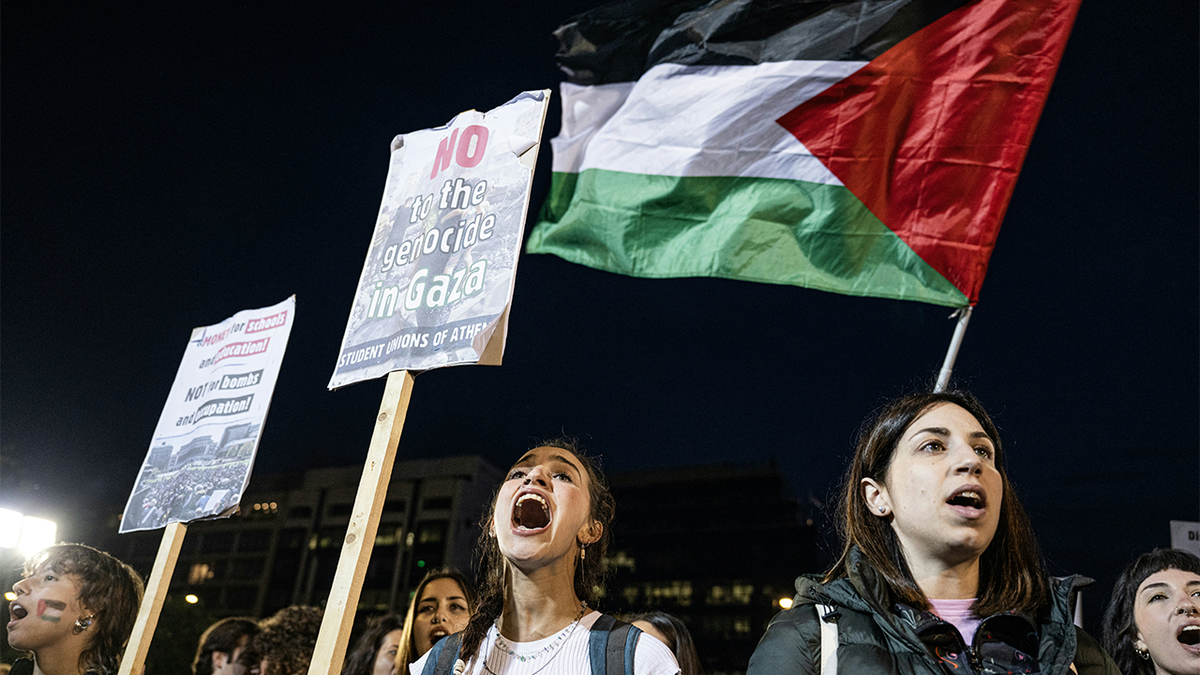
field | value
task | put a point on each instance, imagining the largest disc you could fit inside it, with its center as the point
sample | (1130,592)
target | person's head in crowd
(285,642)
(927,492)
(1152,623)
(441,606)
(375,651)
(554,542)
(75,609)
(674,634)
(221,647)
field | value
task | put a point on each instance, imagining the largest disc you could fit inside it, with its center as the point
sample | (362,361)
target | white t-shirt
(570,657)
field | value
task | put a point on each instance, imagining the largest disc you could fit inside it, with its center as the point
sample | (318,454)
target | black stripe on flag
(620,41)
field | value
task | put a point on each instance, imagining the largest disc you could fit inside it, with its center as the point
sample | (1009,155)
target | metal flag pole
(964,316)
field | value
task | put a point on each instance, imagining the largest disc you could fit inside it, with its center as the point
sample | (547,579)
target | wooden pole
(330,651)
(134,660)
(964,315)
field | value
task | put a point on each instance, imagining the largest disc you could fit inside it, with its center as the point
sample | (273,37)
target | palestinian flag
(863,147)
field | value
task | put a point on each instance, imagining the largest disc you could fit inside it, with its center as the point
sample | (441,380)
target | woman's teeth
(531,512)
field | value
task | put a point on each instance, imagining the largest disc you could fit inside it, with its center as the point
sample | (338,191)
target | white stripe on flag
(696,121)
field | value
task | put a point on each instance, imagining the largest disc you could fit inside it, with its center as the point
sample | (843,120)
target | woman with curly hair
(939,570)
(285,642)
(543,546)
(1152,623)
(74,611)
(441,606)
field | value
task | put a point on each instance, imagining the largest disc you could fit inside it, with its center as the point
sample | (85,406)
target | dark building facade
(716,546)
(283,548)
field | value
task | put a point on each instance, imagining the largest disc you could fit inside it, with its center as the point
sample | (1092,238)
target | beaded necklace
(552,649)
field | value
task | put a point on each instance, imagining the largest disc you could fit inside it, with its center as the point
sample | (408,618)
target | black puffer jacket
(876,636)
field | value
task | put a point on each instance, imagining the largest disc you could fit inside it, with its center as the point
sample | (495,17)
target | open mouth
(531,512)
(967,497)
(17,612)
(1190,635)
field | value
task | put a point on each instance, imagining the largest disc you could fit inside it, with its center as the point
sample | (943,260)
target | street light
(26,534)
(10,528)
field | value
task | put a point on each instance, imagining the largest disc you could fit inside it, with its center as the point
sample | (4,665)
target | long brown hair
(1012,575)
(589,572)
(408,647)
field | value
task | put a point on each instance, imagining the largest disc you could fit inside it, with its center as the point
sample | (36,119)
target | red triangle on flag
(931,134)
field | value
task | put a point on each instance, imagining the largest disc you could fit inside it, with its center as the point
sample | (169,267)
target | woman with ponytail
(543,546)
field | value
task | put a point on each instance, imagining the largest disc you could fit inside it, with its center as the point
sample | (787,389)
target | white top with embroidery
(570,657)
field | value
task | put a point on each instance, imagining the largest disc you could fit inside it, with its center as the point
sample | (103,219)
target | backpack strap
(443,655)
(828,617)
(611,646)
(631,640)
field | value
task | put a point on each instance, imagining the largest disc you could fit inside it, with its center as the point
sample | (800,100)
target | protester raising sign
(438,277)
(204,445)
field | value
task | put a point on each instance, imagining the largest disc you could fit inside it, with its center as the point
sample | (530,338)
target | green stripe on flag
(767,230)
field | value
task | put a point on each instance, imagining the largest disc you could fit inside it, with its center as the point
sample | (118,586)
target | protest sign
(1185,535)
(204,445)
(438,278)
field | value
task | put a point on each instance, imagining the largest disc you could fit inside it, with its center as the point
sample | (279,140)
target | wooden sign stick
(330,651)
(134,660)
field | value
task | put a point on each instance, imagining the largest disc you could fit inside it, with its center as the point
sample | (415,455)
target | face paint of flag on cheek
(50,610)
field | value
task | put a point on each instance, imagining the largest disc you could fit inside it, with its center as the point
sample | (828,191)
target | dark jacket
(878,636)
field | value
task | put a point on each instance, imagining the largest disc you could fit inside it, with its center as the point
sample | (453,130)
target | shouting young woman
(543,545)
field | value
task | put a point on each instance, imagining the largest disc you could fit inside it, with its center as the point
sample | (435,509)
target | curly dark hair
(1012,575)
(287,640)
(1118,631)
(361,660)
(110,591)
(589,572)
(224,636)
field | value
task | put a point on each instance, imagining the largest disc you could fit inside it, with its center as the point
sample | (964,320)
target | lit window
(668,593)
(623,560)
(734,594)
(199,573)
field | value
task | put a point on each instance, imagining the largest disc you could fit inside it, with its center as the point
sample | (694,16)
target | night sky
(166,166)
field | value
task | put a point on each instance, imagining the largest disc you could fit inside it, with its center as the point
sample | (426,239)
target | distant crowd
(187,493)
(939,572)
